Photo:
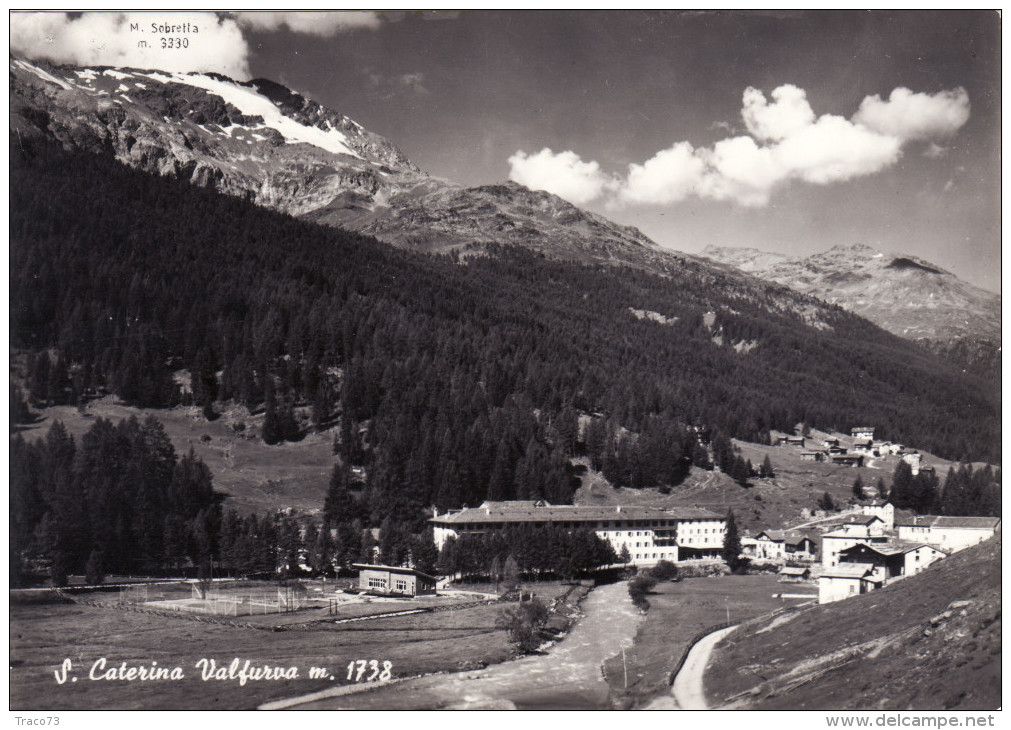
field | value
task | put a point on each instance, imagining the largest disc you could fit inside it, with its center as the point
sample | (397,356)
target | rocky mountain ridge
(275,147)
(906,295)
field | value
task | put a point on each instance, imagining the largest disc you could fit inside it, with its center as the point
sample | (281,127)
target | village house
(850,579)
(782,545)
(862,433)
(878,508)
(947,533)
(865,448)
(836,450)
(791,441)
(856,528)
(794,574)
(912,458)
(896,558)
(848,460)
(390,580)
(649,534)
(812,456)
(830,442)
(866,567)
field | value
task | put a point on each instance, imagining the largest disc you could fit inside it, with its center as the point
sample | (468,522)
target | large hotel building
(650,534)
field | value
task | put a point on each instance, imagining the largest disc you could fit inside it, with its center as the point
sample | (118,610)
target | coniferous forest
(453,379)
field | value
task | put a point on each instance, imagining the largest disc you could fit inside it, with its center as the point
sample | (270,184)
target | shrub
(664,570)
(703,569)
(523,624)
(639,587)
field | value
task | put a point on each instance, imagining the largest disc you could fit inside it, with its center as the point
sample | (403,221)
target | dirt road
(567,677)
(688,691)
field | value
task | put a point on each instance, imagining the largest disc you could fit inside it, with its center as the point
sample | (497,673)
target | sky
(789,132)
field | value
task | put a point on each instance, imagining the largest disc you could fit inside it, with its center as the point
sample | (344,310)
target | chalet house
(794,574)
(390,580)
(947,533)
(796,441)
(848,460)
(778,545)
(649,534)
(836,450)
(869,529)
(862,433)
(812,456)
(830,442)
(895,558)
(880,448)
(866,448)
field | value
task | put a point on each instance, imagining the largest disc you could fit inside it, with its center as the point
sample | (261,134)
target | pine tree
(825,502)
(732,543)
(858,487)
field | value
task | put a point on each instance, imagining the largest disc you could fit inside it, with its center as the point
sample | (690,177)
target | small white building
(847,580)
(862,433)
(912,458)
(879,508)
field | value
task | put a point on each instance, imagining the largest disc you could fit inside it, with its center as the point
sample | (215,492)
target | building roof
(856,429)
(974,523)
(790,570)
(847,570)
(892,547)
(872,502)
(393,569)
(862,519)
(789,537)
(540,511)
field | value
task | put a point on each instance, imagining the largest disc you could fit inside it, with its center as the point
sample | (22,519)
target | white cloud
(128,39)
(788,114)
(326,24)
(214,42)
(787,142)
(915,116)
(564,174)
(834,149)
(669,176)
(739,170)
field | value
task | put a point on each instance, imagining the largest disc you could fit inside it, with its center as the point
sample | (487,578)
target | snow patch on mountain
(42,74)
(251,104)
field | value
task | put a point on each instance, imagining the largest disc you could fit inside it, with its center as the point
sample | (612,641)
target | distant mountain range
(903,294)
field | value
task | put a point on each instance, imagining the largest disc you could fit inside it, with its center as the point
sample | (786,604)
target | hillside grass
(928,642)
(256,477)
(677,613)
(767,503)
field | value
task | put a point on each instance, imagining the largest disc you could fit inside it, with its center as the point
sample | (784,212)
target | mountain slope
(903,294)
(263,142)
(928,642)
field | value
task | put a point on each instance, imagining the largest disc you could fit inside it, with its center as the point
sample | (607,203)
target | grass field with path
(677,613)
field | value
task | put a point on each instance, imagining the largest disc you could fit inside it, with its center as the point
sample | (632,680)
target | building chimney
(617,508)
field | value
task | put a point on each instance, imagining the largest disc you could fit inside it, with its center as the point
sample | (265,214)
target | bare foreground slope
(929,642)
